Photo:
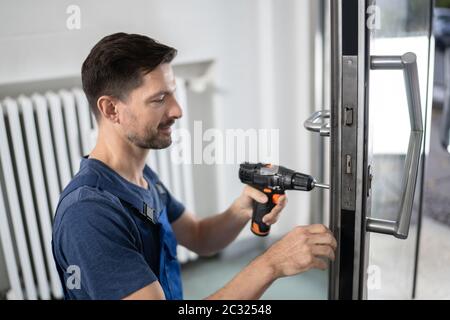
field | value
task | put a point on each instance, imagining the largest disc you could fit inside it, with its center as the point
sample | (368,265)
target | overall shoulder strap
(154,179)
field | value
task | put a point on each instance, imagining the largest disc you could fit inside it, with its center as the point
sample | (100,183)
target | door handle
(317,123)
(407,63)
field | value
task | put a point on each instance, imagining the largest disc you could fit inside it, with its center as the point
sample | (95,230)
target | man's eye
(160,100)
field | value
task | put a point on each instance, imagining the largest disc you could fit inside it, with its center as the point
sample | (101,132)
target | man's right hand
(300,250)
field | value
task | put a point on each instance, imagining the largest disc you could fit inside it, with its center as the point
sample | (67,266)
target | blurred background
(250,64)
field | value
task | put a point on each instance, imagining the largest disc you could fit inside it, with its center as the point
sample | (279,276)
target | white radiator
(42,139)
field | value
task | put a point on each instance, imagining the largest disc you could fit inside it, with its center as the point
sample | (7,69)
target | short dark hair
(116,64)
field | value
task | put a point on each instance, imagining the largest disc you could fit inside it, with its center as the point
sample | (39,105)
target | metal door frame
(349,64)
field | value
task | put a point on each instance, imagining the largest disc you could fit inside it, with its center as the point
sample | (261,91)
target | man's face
(151,109)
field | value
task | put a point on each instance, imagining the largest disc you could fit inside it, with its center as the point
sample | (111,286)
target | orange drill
(273,181)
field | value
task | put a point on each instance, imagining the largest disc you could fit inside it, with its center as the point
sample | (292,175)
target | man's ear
(107,106)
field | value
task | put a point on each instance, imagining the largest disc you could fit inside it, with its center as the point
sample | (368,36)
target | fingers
(273,216)
(261,197)
(255,194)
(319,264)
(324,251)
(317,228)
(323,239)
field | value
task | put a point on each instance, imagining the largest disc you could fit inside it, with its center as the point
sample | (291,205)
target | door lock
(348,116)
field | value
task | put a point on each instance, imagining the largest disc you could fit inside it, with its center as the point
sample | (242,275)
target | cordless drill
(273,181)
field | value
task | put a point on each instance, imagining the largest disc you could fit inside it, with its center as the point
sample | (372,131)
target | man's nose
(175,110)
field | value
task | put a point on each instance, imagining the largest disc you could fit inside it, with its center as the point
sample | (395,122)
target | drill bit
(321,185)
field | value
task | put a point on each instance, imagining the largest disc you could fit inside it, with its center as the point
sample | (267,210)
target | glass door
(403,26)
(380,80)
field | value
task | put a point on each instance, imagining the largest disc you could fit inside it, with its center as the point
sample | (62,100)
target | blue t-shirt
(112,250)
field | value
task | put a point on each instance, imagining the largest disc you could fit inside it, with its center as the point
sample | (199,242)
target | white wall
(252,57)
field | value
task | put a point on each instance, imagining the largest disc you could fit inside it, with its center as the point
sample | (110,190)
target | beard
(152,137)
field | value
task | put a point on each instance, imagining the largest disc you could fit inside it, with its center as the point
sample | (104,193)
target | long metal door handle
(407,63)
(318,123)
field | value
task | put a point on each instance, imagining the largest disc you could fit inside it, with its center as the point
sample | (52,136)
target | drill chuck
(302,182)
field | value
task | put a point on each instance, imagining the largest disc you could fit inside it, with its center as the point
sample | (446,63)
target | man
(117,227)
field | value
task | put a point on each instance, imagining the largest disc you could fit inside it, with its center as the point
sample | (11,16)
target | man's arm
(302,249)
(153,291)
(210,235)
